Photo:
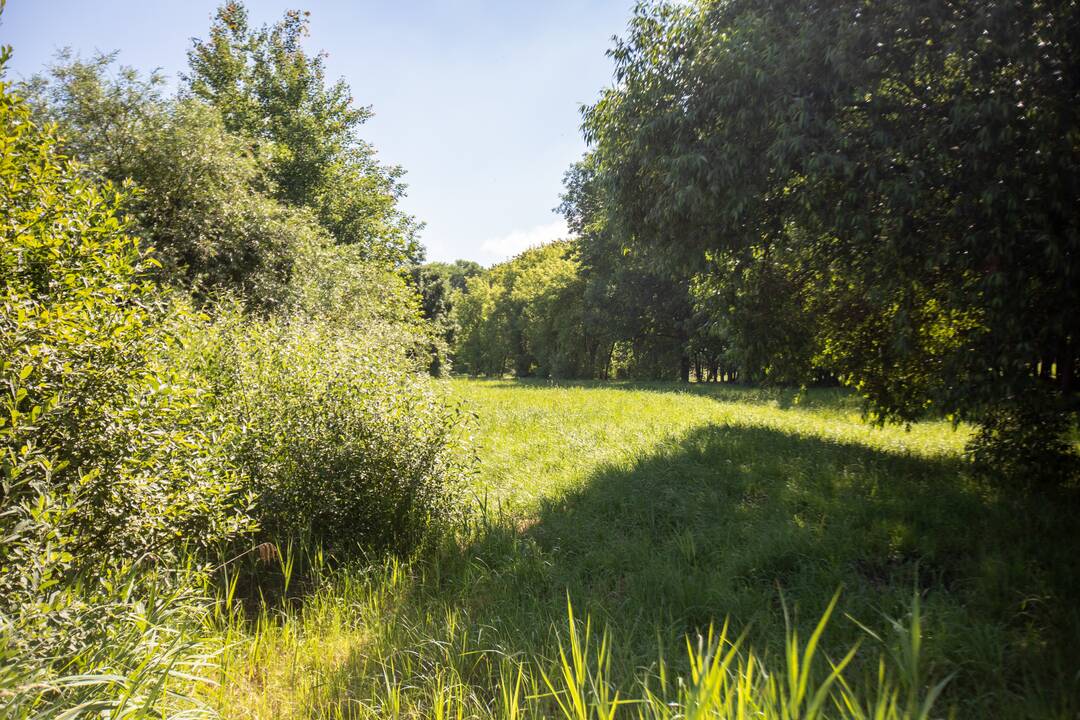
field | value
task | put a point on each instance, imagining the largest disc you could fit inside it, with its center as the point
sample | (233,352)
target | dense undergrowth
(144,438)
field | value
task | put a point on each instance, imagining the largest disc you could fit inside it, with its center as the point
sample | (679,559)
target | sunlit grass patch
(664,515)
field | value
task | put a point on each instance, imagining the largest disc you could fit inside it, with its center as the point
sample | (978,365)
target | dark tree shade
(915,164)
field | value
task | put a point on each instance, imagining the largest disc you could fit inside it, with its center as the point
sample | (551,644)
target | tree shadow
(730,521)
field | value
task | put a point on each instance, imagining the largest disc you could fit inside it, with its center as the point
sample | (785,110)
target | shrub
(137,434)
(204,199)
(108,457)
(343,440)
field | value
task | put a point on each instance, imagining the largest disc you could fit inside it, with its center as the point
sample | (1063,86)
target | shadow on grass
(724,520)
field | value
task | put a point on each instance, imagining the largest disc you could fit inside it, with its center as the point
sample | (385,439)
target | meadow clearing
(247,469)
(659,512)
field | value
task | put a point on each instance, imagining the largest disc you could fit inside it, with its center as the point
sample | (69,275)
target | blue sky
(478,101)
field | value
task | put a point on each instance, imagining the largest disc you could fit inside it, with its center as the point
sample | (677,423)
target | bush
(136,435)
(204,199)
(344,442)
(109,458)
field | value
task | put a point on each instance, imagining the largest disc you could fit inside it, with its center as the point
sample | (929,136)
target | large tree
(631,301)
(268,87)
(918,161)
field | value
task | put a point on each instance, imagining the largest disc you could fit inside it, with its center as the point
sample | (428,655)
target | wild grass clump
(376,642)
(124,642)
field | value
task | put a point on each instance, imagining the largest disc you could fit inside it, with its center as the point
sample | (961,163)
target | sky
(477,100)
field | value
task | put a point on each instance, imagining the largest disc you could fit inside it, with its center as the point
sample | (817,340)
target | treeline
(207,343)
(572,309)
(883,195)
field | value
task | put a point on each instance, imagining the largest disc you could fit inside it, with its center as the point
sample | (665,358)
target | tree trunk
(1066,367)
(1044,368)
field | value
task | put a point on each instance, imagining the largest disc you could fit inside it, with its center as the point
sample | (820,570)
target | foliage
(110,458)
(776,192)
(525,314)
(1028,442)
(436,284)
(660,509)
(101,437)
(267,87)
(915,163)
(758,311)
(137,436)
(648,320)
(545,285)
(482,335)
(344,441)
(203,197)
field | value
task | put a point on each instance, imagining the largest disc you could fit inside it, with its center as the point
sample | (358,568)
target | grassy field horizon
(660,512)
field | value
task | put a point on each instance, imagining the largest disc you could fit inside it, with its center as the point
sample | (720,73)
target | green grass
(661,512)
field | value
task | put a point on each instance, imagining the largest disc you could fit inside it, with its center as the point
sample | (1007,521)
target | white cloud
(509,245)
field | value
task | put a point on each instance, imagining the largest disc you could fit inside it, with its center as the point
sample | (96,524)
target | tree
(201,195)
(482,344)
(546,297)
(631,298)
(268,88)
(436,284)
(524,315)
(917,161)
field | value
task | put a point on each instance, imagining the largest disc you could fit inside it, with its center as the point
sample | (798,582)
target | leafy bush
(109,458)
(204,195)
(343,440)
(135,433)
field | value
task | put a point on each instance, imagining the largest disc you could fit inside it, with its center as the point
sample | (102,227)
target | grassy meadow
(237,479)
(615,528)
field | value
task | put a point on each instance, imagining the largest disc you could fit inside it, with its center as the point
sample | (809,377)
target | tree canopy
(901,175)
(268,88)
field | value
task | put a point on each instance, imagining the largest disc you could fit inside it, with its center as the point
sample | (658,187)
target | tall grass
(701,537)
(363,646)
(139,649)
